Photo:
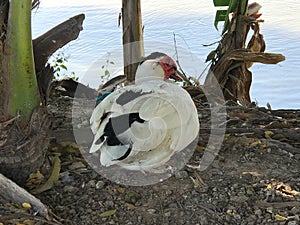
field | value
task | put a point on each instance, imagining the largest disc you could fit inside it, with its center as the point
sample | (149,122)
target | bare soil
(253,180)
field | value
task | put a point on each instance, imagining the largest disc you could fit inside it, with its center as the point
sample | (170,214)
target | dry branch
(261,57)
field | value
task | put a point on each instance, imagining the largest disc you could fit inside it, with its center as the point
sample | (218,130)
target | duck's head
(157,65)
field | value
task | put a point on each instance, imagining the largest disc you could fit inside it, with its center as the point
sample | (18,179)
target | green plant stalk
(24,96)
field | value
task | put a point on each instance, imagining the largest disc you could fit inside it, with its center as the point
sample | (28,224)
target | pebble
(109,204)
(151,211)
(182,174)
(100,184)
(167,214)
(292,223)
(297,156)
(173,205)
(251,219)
(295,210)
(66,177)
(69,188)
(132,197)
(76,165)
(258,212)
(91,184)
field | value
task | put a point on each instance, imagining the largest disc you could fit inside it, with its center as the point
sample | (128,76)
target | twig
(207,45)
(6,123)
(182,73)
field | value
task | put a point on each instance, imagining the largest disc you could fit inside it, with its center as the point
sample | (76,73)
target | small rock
(140,218)
(258,212)
(72,212)
(292,223)
(132,197)
(295,210)
(151,211)
(182,174)
(66,177)
(173,205)
(100,184)
(76,165)
(70,188)
(109,204)
(297,156)
(167,214)
(91,184)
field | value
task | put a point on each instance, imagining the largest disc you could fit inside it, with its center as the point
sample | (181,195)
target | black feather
(129,95)
(125,155)
(153,55)
(118,125)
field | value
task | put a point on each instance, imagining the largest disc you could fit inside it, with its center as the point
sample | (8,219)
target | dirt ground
(253,180)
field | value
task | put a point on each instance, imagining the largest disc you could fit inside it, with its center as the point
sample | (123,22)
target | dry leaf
(53,177)
(26,205)
(280,218)
(108,213)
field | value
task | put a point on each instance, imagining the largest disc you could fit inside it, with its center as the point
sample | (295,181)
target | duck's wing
(111,119)
(144,125)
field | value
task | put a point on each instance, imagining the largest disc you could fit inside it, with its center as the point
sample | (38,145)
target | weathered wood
(46,44)
(133,47)
(10,192)
(261,57)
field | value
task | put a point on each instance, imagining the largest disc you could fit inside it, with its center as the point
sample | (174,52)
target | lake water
(192,23)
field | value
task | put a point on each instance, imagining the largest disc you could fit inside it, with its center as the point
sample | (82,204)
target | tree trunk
(234,78)
(230,63)
(23,147)
(133,47)
(4,81)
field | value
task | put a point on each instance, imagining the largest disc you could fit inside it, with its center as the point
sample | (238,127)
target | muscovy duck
(140,126)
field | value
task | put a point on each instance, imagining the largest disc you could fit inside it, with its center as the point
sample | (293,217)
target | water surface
(192,22)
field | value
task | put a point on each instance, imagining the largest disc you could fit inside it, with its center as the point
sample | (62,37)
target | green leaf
(106,72)
(112,63)
(54,176)
(232,6)
(221,2)
(59,60)
(221,15)
(108,213)
(64,67)
(102,67)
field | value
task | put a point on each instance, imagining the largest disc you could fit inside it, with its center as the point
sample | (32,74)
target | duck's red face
(170,68)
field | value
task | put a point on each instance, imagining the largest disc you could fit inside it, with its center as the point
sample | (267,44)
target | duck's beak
(176,76)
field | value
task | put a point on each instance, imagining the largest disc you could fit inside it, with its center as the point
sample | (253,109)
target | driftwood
(11,192)
(46,44)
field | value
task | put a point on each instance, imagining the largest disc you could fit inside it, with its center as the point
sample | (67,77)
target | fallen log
(12,193)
